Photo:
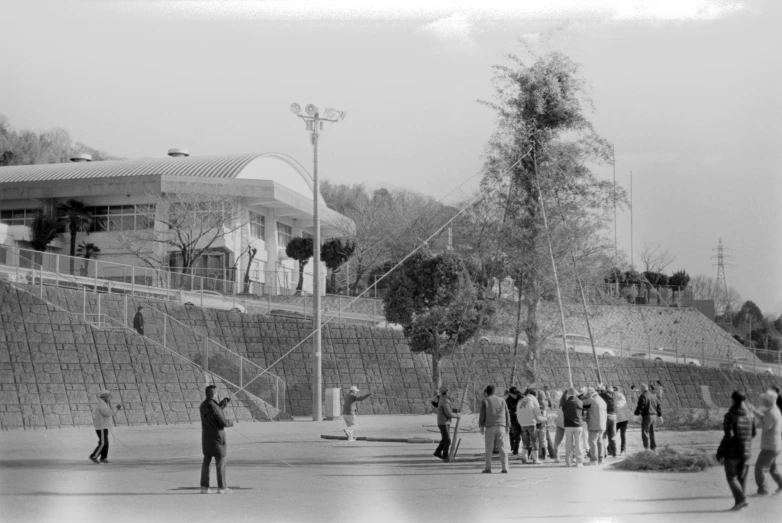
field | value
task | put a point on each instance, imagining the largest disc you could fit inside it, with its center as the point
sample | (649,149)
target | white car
(664,354)
(582,344)
(210,299)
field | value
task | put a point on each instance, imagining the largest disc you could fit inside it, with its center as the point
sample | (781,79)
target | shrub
(667,459)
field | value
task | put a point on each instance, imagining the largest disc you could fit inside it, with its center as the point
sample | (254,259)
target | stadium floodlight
(310,110)
(334,114)
(295,108)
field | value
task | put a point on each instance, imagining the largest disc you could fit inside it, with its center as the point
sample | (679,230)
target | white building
(273,193)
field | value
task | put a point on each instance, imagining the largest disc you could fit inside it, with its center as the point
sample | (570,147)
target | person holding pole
(494,422)
(350,411)
(444,416)
(213,442)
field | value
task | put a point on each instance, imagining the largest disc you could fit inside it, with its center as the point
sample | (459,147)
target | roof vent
(82,157)
(176,153)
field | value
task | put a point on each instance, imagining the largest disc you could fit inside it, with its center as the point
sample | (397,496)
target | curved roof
(219,166)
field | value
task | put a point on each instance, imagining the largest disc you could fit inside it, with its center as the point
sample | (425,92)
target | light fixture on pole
(314,123)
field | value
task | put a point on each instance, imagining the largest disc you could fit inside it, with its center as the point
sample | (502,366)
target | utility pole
(632,251)
(315,125)
(616,248)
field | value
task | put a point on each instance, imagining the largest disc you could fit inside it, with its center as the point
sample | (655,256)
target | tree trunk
(300,286)
(436,377)
(532,329)
(251,253)
(516,339)
(73,245)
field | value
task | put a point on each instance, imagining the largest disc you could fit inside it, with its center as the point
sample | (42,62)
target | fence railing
(61,270)
(224,360)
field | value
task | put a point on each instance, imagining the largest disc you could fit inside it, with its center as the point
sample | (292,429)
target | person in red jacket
(350,411)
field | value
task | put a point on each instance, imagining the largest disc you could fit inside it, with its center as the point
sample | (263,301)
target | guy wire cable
(420,246)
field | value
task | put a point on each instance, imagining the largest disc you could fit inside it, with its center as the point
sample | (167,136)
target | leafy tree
(251,253)
(44,229)
(301,250)
(778,324)
(679,279)
(334,253)
(76,219)
(749,311)
(545,141)
(436,303)
(615,275)
(87,250)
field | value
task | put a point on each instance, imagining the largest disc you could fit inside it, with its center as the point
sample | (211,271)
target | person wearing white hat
(350,411)
(102,418)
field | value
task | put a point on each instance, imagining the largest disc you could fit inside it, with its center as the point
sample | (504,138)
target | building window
(19,216)
(284,234)
(110,218)
(257,225)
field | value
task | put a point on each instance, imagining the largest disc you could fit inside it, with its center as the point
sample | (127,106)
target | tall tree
(44,230)
(436,302)
(541,133)
(75,217)
(87,250)
(301,250)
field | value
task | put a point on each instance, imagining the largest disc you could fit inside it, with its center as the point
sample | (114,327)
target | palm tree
(76,218)
(86,250)
(44,230)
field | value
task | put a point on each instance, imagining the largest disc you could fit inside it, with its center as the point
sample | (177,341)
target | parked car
(582,344)
(670,355)
(210,299)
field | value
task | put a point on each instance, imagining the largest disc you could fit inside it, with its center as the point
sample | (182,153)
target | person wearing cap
(512,401)
(648,406)
(735,449)
(597,418)
(770,442)
(102,418)
(213,442)
(444,416)
(350,411)
(494,422)
(138,321)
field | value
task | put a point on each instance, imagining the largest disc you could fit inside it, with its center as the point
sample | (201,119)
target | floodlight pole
(315,125)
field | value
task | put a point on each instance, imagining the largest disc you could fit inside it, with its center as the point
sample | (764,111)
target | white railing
(104,321)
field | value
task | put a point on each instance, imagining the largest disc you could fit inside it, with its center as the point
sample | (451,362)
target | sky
(688,91)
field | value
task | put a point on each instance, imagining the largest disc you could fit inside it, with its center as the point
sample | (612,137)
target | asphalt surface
(286,472)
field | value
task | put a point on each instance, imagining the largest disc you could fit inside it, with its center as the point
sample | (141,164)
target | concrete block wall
(376,360)
(52,365)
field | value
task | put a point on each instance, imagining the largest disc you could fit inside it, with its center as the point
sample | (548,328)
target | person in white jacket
(102,418)
(529,415)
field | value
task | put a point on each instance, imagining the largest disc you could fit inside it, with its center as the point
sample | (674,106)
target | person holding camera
(102,418)
(213,443)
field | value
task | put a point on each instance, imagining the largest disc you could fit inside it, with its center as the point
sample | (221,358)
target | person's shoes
(224,490)
(95,460)
(535,461)
(438,456)
(504,471)
(486,471)
(762,493)
(556,460)
(600,462)
(739,506)
(346,433)
(523,460)
(204,490)
(351,439)
(579,465)
(516,453)
(105,461)
(495,452)
(778,491)
(446,459)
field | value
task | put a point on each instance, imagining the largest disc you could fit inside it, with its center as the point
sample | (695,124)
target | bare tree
(655,257)
(187,223)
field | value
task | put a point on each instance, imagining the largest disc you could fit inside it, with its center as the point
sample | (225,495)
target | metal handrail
(175,353)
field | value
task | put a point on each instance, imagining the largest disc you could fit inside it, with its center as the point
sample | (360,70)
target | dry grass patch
(669,459)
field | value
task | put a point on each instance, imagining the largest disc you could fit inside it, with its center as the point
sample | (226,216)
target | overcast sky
(688,91)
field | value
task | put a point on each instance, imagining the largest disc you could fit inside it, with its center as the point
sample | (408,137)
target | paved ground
(285,472)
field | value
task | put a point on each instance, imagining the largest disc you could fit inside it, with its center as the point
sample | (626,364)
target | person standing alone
(102,418)
(138,321)
(213,443)
(735,450)
(444,417)
(350,411)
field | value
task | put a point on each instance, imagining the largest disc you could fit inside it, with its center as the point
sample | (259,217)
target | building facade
(131,203)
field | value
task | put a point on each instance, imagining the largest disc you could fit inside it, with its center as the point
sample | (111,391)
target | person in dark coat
(779,396)
(444,416)
(735,449)
(138,321)
(213,443)
(648,407)
(512,400)
(607,394)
